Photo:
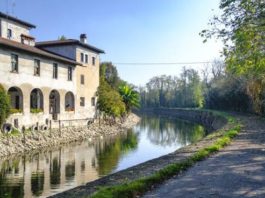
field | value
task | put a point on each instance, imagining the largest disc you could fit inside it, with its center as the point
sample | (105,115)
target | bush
(13,111)
(4,105)
(109,100)
(36,110)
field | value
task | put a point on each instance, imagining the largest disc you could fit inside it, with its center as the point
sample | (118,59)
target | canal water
(52,171)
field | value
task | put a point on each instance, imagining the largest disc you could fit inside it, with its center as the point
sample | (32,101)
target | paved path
(236,171)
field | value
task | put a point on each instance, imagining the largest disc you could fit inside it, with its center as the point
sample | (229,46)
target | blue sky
(128,30)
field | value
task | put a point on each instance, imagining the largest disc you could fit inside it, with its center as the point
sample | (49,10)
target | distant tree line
(173,91)
(238,82)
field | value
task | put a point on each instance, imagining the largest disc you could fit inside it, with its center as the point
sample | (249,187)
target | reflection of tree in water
(37,182)
(166,132)
(11,188)
(114,149)
(55,171)
(70,170)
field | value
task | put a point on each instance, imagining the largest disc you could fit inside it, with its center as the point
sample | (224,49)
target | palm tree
(130,97)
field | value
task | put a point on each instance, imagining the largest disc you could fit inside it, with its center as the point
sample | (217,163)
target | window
(82,57)
(36,67)
(14,63)
(82,101)
(93,101)
(82,79)
(70,73)
(86,58)
(9,33)
(69,101)
(55,71)
(93,60)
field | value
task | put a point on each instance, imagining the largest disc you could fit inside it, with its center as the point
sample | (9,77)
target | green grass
(134,188)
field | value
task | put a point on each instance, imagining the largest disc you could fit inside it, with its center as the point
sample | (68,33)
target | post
(38,131)
(24,135)
(60,128)
(50,128)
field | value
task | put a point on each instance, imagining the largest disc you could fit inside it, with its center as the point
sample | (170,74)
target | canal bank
(33,141)
(209,119)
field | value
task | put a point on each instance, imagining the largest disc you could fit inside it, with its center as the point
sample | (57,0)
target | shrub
(4,105)
(13,111)
(36,110)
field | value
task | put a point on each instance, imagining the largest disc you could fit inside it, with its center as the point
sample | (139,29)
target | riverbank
(17,143)
(208,118)
(235,171)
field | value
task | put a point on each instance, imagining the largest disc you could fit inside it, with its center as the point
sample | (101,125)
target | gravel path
(236,171)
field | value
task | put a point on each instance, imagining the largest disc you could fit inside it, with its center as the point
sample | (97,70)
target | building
(46,81)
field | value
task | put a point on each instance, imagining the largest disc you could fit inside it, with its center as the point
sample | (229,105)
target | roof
(31,49)
(11,18)
(68,42)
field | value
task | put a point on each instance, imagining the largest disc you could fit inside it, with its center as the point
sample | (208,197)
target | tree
(172,91)
(129,96)
(110,101)
(4,105)
(110,73)
(241,27)
(62,38)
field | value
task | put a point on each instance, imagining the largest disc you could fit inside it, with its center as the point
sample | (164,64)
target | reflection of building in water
(48,172)
(51,172)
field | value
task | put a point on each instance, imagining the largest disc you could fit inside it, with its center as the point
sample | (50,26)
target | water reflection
(165,132)
(52,171)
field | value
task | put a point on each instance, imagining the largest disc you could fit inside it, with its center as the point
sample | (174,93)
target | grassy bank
(139,186)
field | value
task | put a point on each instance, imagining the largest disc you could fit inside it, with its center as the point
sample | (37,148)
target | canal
(52,171)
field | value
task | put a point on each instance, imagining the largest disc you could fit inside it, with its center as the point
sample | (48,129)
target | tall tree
(110,74)
(242,29)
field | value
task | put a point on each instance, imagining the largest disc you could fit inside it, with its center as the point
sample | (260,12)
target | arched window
(16,98)
(36,101)
(54,102)
(69,101)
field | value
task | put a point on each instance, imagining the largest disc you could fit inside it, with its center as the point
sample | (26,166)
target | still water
(52,171)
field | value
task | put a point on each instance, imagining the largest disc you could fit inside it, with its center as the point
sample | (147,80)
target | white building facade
(46,82)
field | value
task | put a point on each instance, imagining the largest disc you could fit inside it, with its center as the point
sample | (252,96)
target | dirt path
(236,171)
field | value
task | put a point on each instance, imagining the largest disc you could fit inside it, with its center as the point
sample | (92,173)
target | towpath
(236,171)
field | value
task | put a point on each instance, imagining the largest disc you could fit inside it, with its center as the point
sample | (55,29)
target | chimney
(83,38)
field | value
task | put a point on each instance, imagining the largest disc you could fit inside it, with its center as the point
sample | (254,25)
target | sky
(129,31)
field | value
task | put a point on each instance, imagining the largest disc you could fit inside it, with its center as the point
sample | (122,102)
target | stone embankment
(15,144)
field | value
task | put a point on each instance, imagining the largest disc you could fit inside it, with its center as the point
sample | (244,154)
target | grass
(134,188)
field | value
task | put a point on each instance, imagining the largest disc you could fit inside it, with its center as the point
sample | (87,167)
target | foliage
(110,73)
(171,91)
(139,186)
(62,38)
(4,105)
(110,101)
(241,27)
(14,111)
(224,91)
(129,96)
(36,110)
